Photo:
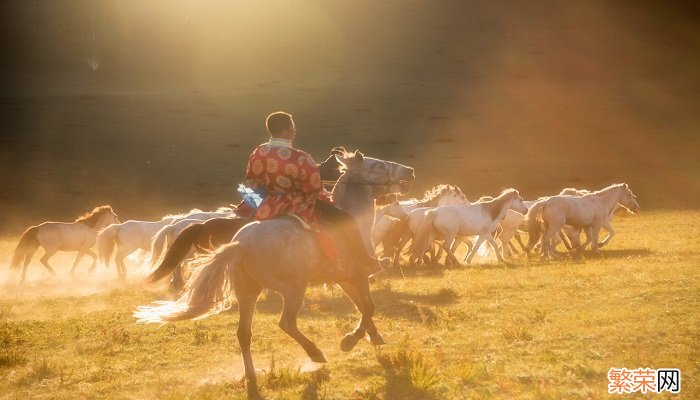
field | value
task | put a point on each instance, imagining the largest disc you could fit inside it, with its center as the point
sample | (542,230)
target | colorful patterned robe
(291,178)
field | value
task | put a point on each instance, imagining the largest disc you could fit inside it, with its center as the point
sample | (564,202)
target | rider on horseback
(283,180)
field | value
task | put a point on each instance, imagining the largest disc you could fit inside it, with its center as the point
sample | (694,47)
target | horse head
(330,169)
(516,202)
(385,176)
(628,200)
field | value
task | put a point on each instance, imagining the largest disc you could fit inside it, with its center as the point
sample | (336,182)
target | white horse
(63,236)
(574,233)
(412,212)
(481,218)
(590,211)
(132,235)
(509,230)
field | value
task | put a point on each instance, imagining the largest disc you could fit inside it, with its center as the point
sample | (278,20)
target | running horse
(590,212)
(201,237)
(260,256)
(63,236)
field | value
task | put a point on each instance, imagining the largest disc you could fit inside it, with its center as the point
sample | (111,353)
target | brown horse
(281,255)
(203,237)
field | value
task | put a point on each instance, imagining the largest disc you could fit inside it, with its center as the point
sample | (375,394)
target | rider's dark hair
(278,121)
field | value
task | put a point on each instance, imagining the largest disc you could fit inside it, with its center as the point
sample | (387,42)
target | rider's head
(281,125)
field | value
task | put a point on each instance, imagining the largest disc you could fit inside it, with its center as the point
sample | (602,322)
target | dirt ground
(153,107)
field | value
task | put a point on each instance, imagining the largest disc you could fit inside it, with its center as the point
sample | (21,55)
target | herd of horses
(233,257)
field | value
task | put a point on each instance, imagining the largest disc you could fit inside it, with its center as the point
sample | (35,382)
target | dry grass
(539,330)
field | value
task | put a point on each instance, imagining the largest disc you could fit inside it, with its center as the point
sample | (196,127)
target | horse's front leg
(358,291)
(94,260)
(611,233)
(293,299)
(494,245)
(595,232)
(80,255)
(399,249)
(474,249)
(45,260)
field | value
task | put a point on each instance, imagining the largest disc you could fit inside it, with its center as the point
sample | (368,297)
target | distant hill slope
(154,106)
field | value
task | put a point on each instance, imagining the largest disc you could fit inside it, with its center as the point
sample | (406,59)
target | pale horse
(63,236)
(168,233)
(260,256)
(133,235)
(574,233)
(590,211)
(481,218)
(412,212)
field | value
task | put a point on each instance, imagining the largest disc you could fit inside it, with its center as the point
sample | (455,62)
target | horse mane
(574,192)
(495,206)
(90,218)
(435,192)
(181,215)
(608,188)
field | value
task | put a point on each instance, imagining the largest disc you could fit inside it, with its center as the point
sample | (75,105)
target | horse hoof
(377,339)
(318,358)
(253,393)
(348,343)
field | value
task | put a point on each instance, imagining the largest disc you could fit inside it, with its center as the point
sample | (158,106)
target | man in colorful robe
(285,180)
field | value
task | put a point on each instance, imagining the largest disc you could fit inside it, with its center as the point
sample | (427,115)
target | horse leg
(547,247)
(496,249)
(519,238)
(358,291)
(474,249)
(80,255)
(611,233)
(293,299)
(399,249)
(121,266)
(247,292)
(94,260)
(450,249)
(595,232)
(45,260)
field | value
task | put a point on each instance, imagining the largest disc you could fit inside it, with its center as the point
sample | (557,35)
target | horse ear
(338,151)
(359,157)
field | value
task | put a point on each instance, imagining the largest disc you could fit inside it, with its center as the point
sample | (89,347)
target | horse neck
(610,197)
(498,207)
(357,199)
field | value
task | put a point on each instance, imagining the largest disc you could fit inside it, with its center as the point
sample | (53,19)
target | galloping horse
(131,235)
(64,236)
(213,233)
(411,214)
(168,233)
(281,255)
(590,211)
(481,218)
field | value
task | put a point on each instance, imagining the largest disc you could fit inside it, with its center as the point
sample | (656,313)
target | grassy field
(153,107)
(537,330)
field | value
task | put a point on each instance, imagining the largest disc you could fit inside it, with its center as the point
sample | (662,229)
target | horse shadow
(332,302)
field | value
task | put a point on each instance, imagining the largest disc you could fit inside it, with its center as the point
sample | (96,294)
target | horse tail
(207,292)
(534,224)
(158,244)
(422,239)
(176,252)
(106,240)
(28,243)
